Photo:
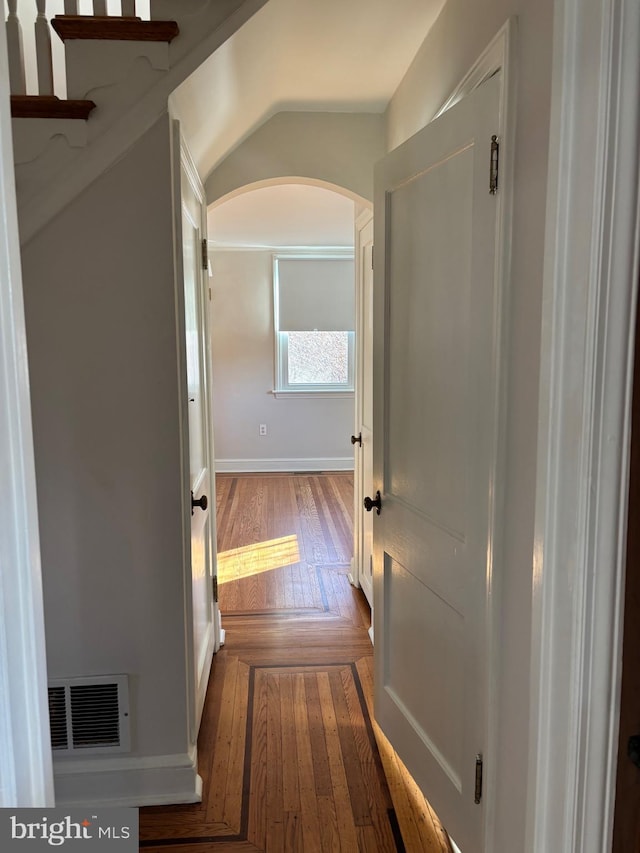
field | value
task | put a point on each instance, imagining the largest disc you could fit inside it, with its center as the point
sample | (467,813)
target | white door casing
(592,247)
(437,418)
(363,468)
(26,776)
(202,610)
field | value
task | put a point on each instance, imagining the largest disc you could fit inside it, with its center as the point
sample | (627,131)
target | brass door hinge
(479,769)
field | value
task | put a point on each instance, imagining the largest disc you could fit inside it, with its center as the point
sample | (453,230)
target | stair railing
(36,64)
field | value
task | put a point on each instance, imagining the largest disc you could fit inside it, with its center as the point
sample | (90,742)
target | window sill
(306,394)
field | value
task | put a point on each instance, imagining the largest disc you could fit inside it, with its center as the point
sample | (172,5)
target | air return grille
(58,717)
(89,715)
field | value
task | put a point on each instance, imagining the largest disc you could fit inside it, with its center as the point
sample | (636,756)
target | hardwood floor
(290,755)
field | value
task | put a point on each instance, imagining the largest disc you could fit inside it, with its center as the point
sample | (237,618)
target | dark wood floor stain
(290,756)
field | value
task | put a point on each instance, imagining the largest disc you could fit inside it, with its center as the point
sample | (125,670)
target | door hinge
(205,254)
(479,769)
(372,256)
(493,169)
(215,588)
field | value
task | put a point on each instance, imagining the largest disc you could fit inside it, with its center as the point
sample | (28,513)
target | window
(314,321)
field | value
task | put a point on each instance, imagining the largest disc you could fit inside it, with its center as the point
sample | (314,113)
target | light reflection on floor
(255,559)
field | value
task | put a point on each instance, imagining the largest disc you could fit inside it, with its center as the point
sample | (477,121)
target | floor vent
(89,715)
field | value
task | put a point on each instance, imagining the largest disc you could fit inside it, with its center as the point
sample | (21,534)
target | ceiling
(283,215)
(342,55)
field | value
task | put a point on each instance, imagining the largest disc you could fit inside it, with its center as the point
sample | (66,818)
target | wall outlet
(263,429)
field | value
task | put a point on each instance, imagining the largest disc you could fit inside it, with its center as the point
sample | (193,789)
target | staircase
(120,72)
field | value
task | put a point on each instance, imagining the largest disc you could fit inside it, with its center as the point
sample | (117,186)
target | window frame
(282,387)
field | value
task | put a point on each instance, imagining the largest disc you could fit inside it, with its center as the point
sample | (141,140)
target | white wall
(339,148)
(101,327)
(302,433)
(460,34)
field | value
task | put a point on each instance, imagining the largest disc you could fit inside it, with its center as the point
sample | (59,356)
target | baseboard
(251,466)
(118,782)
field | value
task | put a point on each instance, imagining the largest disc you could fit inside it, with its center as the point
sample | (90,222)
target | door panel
(436,419)
(363,529)
(203,616)
(428,342)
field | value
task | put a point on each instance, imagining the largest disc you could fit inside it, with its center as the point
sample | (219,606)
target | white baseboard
(120,782)
(259,466)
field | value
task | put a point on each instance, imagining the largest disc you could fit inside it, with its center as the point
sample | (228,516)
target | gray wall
(339,148)
(300,431)
(100,312)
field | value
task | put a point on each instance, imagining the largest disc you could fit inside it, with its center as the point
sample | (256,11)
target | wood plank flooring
(289,753)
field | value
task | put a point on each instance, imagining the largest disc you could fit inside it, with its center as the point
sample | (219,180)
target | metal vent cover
(89,715)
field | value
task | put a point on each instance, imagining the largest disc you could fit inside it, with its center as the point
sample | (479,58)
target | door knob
(369,504)
(357,439)
(202,502)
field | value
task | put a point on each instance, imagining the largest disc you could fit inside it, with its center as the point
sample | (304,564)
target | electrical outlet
(263,429)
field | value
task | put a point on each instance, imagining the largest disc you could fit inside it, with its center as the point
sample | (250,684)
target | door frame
(195,701)
(589,305)
(359,485)
(25,741)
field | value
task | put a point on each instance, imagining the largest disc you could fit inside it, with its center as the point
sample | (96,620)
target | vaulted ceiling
(332,55)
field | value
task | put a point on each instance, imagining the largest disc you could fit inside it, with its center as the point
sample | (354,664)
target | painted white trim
(25,746)
(491,60)
(127,781)
(196,684)
(362,221)
(308,394)
(589,304)
(245,466)
(336,251)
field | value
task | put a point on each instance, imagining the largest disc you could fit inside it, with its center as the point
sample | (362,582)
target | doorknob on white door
(357,439)
(202,502)
(376,502)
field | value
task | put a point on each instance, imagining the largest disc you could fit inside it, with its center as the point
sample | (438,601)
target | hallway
(289,754)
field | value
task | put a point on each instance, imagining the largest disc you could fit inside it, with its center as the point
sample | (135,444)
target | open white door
(436,417)
(363,469)
(204,621)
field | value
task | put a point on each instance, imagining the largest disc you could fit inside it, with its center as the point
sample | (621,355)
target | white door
(436,417)
(204,616)
(363,527)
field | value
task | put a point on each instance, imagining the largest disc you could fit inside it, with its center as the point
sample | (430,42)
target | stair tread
(108,28)
(48,106)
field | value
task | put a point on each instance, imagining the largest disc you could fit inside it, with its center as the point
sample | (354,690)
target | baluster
(16,53)
(71,7)
(128,8)
(43,50)
(99,7)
